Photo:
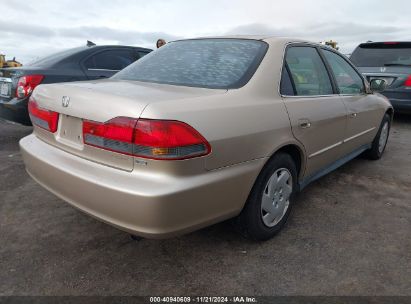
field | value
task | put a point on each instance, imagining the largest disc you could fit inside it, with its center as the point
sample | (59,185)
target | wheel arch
(297,153)
(390,112)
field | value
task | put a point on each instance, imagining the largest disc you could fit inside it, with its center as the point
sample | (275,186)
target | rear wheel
(270,201)
(380,141)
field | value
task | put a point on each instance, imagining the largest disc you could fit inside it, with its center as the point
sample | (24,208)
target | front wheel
(380,141)
(270,201)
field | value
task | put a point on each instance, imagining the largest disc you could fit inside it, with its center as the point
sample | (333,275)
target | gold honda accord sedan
(204,130)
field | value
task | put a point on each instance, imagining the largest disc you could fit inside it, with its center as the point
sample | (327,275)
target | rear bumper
(150,205)
(15,110)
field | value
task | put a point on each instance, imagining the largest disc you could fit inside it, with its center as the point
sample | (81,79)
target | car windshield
(382,54)
(52,59)
(206,63)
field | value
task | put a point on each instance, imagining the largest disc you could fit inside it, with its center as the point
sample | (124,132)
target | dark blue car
(391,62)
(82,63)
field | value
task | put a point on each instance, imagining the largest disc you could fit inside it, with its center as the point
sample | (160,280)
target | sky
(35,29)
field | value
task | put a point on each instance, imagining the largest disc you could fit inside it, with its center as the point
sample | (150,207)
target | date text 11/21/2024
(234,299)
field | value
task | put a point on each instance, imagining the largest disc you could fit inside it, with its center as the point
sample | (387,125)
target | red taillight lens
(114,135)
(155,139)
(168,139)
(407,82)
(26,85)
(43,118)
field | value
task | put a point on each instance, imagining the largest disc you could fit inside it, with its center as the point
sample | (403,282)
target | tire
(266,210)
(380,141)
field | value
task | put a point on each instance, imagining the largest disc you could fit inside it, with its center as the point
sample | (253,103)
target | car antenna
(90,43)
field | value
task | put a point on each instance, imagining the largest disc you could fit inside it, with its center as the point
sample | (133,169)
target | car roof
(386,43)
(253,37)
(74,54)
(115,46)
(267,38)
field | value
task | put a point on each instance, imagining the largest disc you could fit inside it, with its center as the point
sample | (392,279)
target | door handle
(304,124)
(353,115)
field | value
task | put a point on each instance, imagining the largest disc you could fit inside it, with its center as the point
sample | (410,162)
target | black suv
(391,62)
(82,63)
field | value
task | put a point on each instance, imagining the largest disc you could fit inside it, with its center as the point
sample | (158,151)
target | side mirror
(378,85)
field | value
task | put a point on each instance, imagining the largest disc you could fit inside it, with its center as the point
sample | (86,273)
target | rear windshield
(52,59)
(382,54)
(206,63)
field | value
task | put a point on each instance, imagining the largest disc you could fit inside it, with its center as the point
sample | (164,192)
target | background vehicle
(391,62)
(8,63)
(234,127)
(82,63)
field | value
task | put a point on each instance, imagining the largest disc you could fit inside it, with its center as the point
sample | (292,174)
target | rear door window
(308,71)
(347,79)
(286,84)
(114,60)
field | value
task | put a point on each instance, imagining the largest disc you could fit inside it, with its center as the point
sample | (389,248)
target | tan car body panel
(360,112)
(244,127)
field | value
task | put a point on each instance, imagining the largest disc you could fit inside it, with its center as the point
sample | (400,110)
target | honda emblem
(65,101)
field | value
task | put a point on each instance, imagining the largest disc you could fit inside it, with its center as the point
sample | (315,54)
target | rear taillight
(155,139)
(407,82)
(168,139)
(114,135)
(26,85)
(43,118)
